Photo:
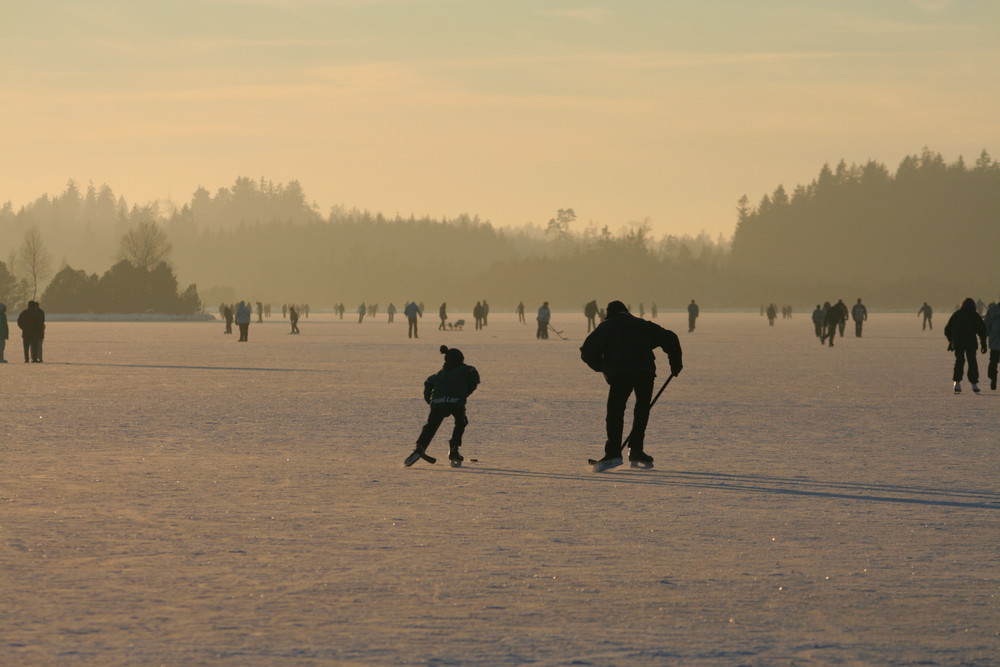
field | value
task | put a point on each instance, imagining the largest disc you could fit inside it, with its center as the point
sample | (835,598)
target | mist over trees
(923,232)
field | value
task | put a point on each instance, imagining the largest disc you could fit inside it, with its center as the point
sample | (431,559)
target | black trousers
(244,331)
(411,331)
(621,387)
(857,327)
(963,355)
(439,411)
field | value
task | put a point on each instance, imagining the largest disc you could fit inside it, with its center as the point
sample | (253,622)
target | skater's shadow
(763,484)
(195,368)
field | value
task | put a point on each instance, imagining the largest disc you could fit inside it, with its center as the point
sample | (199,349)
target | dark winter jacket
(452,384)
(623,345)
(965,326)
(32,322)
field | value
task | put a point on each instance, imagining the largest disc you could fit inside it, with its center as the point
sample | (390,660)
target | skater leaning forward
(621,347)
(446,392)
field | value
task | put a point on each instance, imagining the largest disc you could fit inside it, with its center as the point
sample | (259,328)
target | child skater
(445,392)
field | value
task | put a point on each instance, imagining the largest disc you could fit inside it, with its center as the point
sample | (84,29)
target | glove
(676,370)
(951,348)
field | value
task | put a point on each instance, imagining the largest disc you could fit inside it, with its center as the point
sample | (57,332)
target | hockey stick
(558,333)
(651,404)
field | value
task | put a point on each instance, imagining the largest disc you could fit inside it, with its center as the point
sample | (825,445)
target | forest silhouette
(922,233)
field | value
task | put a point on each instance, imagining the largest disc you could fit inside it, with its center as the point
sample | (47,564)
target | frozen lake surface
(171,496)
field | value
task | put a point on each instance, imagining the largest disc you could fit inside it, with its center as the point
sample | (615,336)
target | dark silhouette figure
(590,312)
(818,317)
(412,312)
(859,313)
(477,314)
(243,317)
(227,314)
(964,329)
(621,347)
(4,332)
(544,315)
(993,331)
(31,322)
(260,312)
(486,313)
(362,309)
(443,314)
(692,315)
(772,313)
(836,316)
(928,313)
(391,310)
(293,318)
(653,312)
(446,392)
(520,312)
(843,321)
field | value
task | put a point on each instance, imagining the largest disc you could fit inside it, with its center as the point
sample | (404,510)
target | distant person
(412,312)
(260,313)
(443,314)
(818,317)
(642,310)
(340,310)
(362,309)
(842,323)
(391,310)
(964,329)
(772,313)
(859,313)
(31,322)
(486,313)
(293,318)
(993,331)
(544,315)
(4,332)
(835,318)
(621,348)
(653,311)
(520,312)
(477,314)
(590,312)
(928,313)
(446,392)
(284,310)
(227,314)
(692,315)
(243,317)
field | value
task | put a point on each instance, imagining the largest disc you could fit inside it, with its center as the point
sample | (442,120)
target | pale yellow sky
(622,110)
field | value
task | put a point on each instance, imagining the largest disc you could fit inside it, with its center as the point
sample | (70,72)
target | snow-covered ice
(171,496)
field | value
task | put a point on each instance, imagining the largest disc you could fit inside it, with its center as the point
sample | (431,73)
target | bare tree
(33,260)
(145,245)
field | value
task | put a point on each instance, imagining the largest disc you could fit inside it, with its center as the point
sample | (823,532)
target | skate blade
(456,464)
(601,466)
(642,465)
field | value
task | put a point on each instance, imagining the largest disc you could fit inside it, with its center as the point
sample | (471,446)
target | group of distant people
(829,320)
(31,322)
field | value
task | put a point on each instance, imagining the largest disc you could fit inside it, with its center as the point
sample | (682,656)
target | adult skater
(962,330)
(928,313)
(486,313)
(391,310)
(520,312)
(835,318)
(412,312)
(621,347)
(31,322)
(842,322)
(992,330)
(362,309)
(859,313)
(772,313)
(692,315)
(590,312)
(4,331)
(446,392)
(544,315)
(443,314)
(477,315)
(243,317)
(818,317)
(293,318)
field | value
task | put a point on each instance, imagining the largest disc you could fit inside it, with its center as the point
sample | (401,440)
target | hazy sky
(510,109)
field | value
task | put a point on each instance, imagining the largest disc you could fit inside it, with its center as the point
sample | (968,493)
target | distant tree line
(921,233)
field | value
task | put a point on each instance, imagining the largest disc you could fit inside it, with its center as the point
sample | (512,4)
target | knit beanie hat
(616,307)
(452,355)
